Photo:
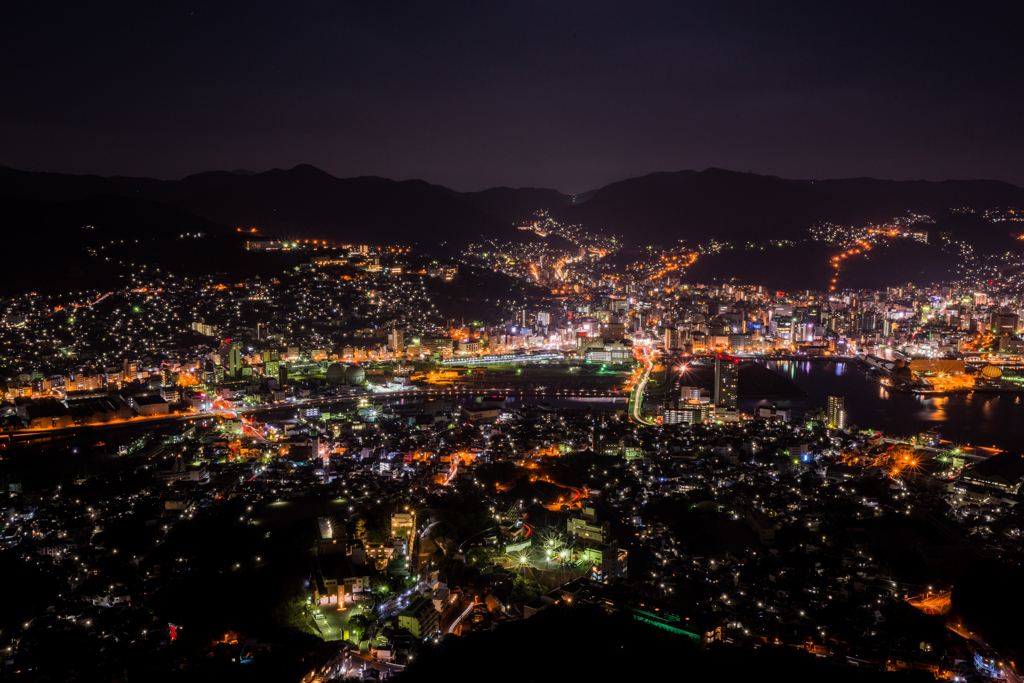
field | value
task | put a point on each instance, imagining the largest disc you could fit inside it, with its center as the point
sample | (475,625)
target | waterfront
(978,419)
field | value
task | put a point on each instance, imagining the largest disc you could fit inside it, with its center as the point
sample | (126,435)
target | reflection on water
(982,419)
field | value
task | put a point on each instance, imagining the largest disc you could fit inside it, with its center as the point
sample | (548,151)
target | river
(980,419)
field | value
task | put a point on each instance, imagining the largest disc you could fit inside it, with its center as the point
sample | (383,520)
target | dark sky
(550,93)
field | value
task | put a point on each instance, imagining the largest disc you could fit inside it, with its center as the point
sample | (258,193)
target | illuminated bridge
(503,358)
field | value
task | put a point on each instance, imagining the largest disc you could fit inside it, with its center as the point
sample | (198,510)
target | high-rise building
(130,370)
(613,330)
(1004,322)
(689,393)
(725,389)
(396,341)
(231,358)
(689,411)
(837,412)
(674,339)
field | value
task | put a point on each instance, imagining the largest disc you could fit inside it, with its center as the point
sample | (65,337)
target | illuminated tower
(231,358)
(725,389)
(837,412)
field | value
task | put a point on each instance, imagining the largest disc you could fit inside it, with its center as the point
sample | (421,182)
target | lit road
(576,494)
(636,399)
(929,603)
(25,437)
(958,629)
(458,620)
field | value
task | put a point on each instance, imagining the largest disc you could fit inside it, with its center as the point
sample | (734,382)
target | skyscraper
(231,358)
(837,412)
(725,389)
(674,339)
(396,341)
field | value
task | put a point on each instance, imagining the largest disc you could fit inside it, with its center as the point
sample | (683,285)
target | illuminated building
(837,412)
(204,329)
(725,389)
(1004,323)
(331,540)
(773,413)
(687,411)
(231,358)
(403,524)
(588,528)
(420,618)
(608,561)
(613,330)
(674,339)
(689,393)
(396,341)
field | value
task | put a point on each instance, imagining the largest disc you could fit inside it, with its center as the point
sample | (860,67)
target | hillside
(662,208)
(306,201)
(516,205)
(90,243)
(303,202)
(807,266)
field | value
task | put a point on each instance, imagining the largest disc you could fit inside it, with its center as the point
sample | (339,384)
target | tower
(837,412)
(725,389)
(231,358)
(396,341)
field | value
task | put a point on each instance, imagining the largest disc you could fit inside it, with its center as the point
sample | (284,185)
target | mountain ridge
(658,208)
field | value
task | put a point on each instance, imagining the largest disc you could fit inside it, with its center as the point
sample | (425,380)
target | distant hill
(306,201)
(806,266)
(302,202)
(662,208)
(47,241)
(516,206)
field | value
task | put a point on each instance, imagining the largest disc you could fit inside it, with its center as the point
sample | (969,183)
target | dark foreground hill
(596,645)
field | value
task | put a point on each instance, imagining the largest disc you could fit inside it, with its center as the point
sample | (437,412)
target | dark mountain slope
(303,201)
(306,201)
(659,208)
(516,205)
(724,205)
(807,266)
(59,245)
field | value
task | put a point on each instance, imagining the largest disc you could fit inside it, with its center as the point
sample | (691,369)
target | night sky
(551,93)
